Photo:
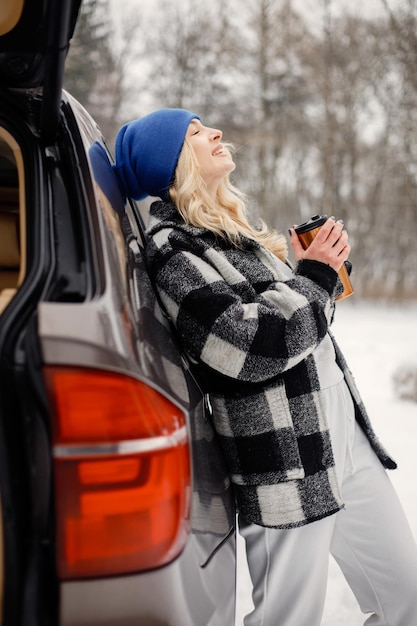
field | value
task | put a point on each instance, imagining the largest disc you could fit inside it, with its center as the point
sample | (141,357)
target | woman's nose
(216,134)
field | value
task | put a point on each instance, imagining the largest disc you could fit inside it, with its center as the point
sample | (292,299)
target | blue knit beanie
(147,152)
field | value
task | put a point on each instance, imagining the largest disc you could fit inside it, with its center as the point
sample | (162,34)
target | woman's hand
(330,246)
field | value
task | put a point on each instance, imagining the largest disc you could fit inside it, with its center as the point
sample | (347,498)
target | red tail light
(122,473)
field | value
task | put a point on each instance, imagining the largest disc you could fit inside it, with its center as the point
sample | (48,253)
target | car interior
(12,217)
(12,247)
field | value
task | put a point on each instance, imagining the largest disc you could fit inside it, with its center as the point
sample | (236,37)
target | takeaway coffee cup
(306,233)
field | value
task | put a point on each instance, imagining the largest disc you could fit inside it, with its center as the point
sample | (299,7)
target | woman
(306,465)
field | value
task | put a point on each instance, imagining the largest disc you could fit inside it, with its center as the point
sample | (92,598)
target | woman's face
(213,158)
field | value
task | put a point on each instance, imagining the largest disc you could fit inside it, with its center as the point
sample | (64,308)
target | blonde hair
(226,215)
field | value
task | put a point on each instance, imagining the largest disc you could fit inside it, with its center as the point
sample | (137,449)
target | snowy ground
(376,339)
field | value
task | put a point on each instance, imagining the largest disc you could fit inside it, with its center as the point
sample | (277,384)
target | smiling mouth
(218,151)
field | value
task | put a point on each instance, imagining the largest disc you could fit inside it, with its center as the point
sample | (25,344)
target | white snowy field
(376,339)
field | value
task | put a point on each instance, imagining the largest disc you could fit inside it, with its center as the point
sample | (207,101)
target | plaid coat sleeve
(232,311)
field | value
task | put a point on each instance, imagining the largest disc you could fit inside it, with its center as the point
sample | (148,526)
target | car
(116,506)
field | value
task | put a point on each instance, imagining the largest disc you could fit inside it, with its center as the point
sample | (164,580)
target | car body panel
(165,594)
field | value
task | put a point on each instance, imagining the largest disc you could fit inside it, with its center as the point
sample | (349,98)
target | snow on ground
(376,339)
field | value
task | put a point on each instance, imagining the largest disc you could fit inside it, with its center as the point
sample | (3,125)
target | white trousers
(370,539)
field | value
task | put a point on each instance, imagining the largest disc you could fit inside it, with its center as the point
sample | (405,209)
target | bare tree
(277,94)
(192,58)
(98,62)
(323,120)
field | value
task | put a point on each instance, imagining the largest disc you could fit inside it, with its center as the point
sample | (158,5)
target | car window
(112,207)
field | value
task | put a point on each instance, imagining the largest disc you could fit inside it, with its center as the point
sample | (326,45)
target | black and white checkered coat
(251,333)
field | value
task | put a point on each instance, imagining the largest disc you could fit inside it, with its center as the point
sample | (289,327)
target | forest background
(320,106)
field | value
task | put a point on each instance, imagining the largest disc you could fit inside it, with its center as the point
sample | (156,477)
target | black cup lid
(314,222)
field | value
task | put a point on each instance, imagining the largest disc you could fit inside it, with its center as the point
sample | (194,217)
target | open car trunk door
(34,40)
